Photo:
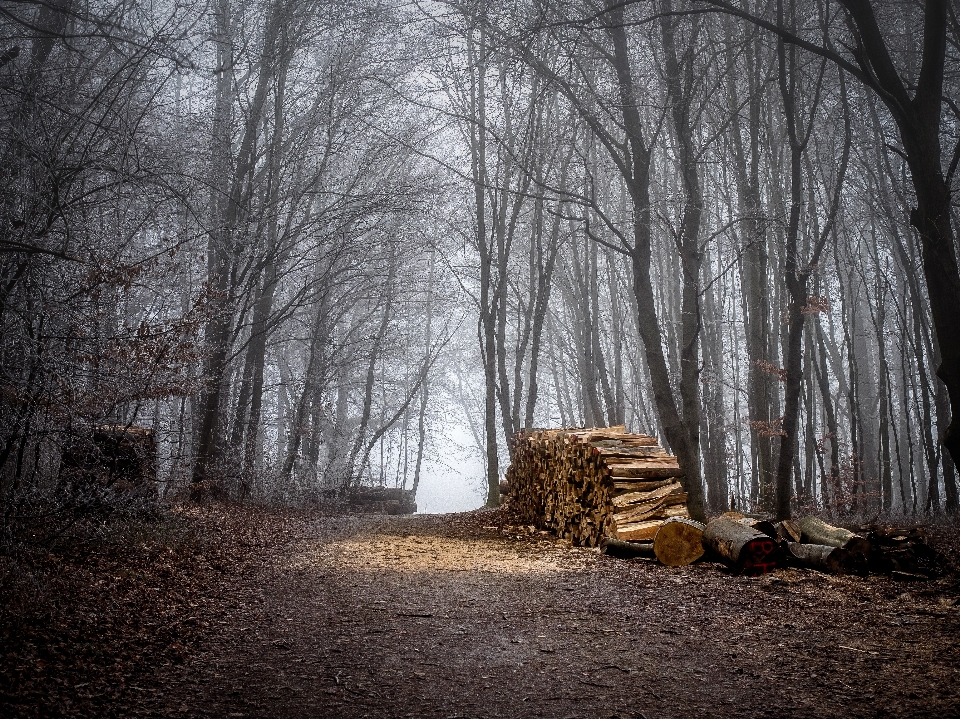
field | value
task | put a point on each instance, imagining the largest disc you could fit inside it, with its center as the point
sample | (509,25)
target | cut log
(626,550)
(824,558)
(655,510)
(815,531)
(740,547)
(679,542)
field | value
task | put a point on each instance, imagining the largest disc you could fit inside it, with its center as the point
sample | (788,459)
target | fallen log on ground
(626,550)
(824,558)
(679,542)
(815,531)
(740,547)
(384,500)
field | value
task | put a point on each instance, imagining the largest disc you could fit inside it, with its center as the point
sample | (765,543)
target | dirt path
(456,617)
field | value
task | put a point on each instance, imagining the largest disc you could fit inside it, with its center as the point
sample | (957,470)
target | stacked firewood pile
(587,484)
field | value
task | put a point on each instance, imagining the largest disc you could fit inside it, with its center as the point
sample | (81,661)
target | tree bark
(918,120)
(638,180)
(487,320)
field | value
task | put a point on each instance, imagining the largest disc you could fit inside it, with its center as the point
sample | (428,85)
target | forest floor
(215,612)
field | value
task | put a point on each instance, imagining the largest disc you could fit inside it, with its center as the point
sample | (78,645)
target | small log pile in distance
(110,465)
(382,500)
(587,484)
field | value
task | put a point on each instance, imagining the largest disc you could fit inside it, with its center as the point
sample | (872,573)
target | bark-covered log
(679,542)
(741,547)
(626,550)
(825,558)
(385,500)
(816,531)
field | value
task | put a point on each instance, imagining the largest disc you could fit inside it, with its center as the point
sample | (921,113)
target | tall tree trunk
(754,270)
(224,248)
(487,319)
(680,84)
(425,387)
(832,499)
(918,120)
(796,276)
(637,175)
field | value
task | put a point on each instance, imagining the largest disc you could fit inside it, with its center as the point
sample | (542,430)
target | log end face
(679,542)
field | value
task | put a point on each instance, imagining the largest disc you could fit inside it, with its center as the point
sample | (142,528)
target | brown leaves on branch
(770,368)
(768,429)
(815,305)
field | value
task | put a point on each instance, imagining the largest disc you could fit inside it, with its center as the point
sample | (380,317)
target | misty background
(317,245)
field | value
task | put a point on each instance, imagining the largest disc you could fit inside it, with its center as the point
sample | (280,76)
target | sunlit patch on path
(410,553)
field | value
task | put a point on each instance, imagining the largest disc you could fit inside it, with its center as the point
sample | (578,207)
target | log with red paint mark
(741,547)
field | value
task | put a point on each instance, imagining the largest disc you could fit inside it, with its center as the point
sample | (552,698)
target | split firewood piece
(815,531)
(616,456)
(741,547)
(824,558)
(639,531)
(788,531)
(631,451)
(597,433)
(630,486)
(626,550)
(761,525)
(624,500)
(655,510)
(619,472)
(679,542)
